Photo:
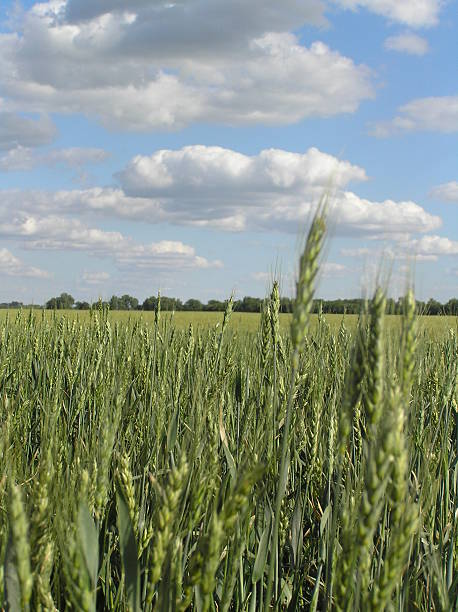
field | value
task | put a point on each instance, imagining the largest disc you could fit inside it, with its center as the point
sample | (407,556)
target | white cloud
(425,248)
(95,278)
(433,246)
(261,277)
(54,233)
(414,13)
(165,66)
(211,186)
(398,250)
(164,254)
(447,192)
(10,265)
(386,219)
(25,158)
(220,188)
(407,43)
(19,158)
(438,114)
(210,170)
(358,252)
(20,131)
(329,269)
(218,19)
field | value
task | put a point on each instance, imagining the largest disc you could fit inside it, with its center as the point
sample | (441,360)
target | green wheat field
(227,461)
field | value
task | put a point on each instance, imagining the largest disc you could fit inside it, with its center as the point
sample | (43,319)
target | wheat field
(305,465)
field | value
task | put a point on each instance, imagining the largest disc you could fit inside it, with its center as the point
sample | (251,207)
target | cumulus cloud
(170,64)
(55,233)
(202,186)
(407,43)
(329,269)
(439,114)
(10,265)
(448,192)
(434,246)
(25,158)
(210,170)
(214,187)
(211,186)
(95,278)
(181,19)
(19,131)
(425,248)
(414,13)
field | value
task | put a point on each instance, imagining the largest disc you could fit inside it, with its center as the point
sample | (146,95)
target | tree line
(246,304)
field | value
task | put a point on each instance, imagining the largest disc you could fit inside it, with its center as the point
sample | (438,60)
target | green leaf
(325,518)
(261,556)
(89,540)
(227,452)
(172,431)
(297,531)
(129,554)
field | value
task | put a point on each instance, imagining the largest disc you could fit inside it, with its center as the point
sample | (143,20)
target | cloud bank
(200,186)
(434,114)
(168,65)
(10,265)
(414,13)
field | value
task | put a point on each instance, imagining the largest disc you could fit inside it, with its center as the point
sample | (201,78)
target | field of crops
(243,322)
(150,466)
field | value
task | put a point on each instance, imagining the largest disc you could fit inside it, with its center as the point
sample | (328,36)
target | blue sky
(182,146)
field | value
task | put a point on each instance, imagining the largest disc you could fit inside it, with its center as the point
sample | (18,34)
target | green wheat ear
(17,562)
(409,343)
(372,399)
(404,516)
(308,269)
(165,524)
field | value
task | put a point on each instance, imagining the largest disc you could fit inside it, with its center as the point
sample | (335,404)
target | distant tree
(246,304)
(249,304)
(433,307)
(64,302)
(169,304)
(286,304)
(12,304)
(215,306)
(419,306)
(451,307)
(114,303)
(193,304)
(390,306)
(150,303)
(127,302)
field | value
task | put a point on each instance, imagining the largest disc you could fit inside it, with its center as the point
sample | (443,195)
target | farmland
(174,463)
(242,322)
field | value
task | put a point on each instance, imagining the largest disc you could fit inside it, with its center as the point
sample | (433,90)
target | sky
(183,146)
